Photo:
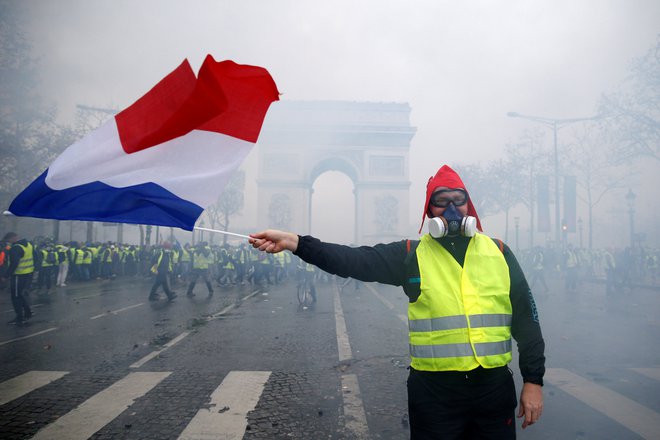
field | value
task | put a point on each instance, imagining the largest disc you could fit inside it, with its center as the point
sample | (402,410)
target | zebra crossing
(225,415)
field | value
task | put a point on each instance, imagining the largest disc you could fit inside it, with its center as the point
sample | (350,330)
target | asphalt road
(100,361)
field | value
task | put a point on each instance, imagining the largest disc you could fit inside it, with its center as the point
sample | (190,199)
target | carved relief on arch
(386,209)
(279,211)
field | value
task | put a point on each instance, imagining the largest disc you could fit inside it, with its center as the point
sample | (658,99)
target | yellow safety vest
(44,261)
(201,261)
(26,263)
(80,255)
(160,258)
(462,318)
(184,256)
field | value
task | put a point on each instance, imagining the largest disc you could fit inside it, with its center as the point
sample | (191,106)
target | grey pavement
(602,356)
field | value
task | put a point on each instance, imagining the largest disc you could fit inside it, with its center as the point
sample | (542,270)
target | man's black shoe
(171,297)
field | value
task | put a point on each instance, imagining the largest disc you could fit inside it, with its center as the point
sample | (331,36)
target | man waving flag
(165,158)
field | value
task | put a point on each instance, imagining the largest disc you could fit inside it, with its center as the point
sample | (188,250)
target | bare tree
(229,203)
(633,110)
(479,184)
(27,130)
(506,178)
(531,159)
(597,173)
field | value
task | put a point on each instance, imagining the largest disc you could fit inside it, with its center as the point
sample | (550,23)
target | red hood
(449,178)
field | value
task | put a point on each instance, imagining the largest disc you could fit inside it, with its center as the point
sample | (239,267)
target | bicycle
(304,292)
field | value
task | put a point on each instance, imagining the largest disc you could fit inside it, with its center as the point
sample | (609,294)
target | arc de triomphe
(368,142)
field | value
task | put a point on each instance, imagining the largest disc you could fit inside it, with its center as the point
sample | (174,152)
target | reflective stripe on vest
(462,318)
(26,263)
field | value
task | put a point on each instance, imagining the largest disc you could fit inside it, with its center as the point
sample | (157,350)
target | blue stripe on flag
(147,204)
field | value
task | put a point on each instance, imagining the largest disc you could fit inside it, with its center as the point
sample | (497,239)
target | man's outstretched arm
(274,241)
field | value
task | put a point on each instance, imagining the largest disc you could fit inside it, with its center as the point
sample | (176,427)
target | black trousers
(196,273)
(477,404)
(161,280)
(18,285)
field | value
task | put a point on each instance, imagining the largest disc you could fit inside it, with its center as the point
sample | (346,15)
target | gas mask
(452,224)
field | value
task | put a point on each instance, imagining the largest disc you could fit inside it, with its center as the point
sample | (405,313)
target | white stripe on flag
(638,418)
(199,159)
(226,417)
(100,409)
(20,385)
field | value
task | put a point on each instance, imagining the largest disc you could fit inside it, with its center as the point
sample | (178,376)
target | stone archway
(368,142)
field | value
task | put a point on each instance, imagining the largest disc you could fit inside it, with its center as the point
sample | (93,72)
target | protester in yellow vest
(48,266)
(202,258)
(467,298)
(162,265)
(19,272)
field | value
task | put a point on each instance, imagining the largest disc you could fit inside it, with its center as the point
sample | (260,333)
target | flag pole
(221,232)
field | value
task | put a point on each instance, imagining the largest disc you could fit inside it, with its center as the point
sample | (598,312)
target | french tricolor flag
(165,158)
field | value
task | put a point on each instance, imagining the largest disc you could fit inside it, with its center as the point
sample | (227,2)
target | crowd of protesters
(617,268)
(56,264)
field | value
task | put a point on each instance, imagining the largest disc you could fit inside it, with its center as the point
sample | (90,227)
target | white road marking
(100,409)
(221,312)
(250,295)
(33,306)
(387,303)
(226,416)
(28,336)
(153,354)
(637,418)
(354,415)
(355,419)
(343,345)
(653,373)
(20,385)
(114,312)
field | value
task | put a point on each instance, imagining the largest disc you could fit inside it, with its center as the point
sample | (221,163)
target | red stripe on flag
(227,98)
(249,91)
(143,124)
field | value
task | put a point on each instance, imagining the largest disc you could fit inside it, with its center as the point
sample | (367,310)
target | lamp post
(630,200)
(516,221)
(580,229)
(555,124)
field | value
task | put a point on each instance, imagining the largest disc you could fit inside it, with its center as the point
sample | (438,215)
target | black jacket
(393,263)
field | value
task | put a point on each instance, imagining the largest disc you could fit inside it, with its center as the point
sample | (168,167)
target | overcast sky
(461,65)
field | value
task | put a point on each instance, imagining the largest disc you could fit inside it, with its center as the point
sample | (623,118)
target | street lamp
(555,124)
(630,200)
(580,229)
